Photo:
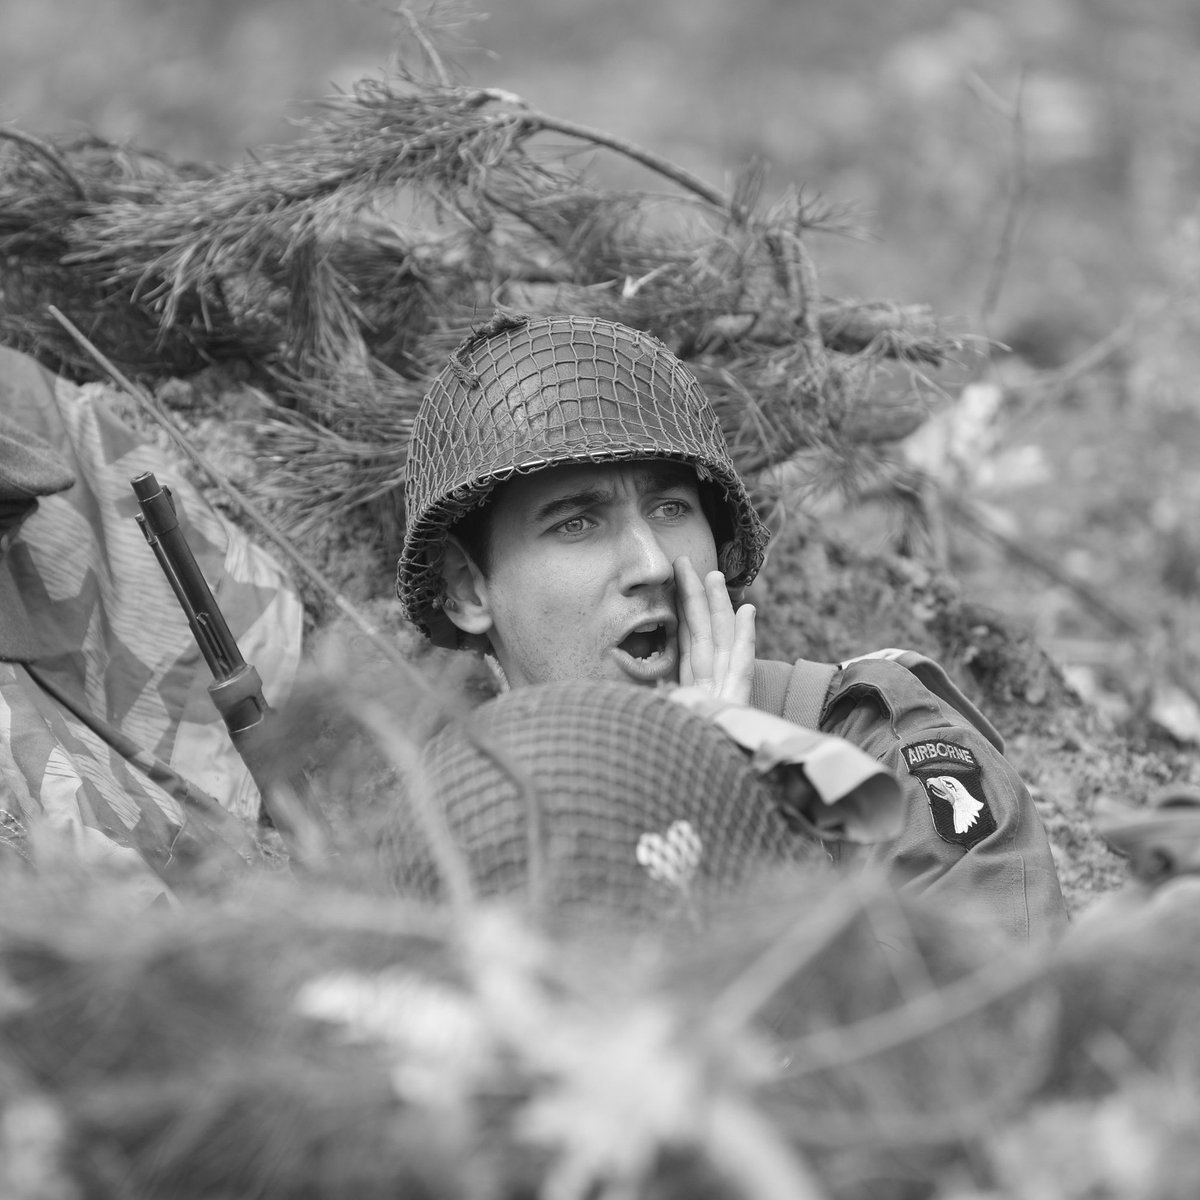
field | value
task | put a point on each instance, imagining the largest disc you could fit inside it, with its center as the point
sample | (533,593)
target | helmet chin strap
(493,664)
(728,562)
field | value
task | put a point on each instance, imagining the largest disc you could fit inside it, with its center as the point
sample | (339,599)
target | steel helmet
(525,393)
(613,799)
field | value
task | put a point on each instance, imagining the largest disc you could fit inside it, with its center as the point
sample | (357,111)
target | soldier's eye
(673,509)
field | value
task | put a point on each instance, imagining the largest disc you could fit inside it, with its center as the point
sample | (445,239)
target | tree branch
(539,121)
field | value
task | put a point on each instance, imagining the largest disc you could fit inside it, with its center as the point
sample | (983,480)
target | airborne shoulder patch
(953,783)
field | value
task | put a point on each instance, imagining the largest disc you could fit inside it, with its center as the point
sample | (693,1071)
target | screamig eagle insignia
(954,787)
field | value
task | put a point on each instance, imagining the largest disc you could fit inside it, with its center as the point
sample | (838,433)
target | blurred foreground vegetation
(310,1039)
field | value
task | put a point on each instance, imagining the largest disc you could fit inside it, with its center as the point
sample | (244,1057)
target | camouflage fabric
(121,649)
(527,393)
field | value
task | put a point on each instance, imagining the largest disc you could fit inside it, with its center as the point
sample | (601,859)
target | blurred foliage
(883,106)
(896,110)
(301,1040)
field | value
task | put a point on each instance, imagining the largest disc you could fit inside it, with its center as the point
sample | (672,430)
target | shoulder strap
(806,692)
(795,691)
(933,676)
(768,687)
(798,690)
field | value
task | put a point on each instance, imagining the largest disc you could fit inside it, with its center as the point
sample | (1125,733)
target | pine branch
(50,154)
(288,261)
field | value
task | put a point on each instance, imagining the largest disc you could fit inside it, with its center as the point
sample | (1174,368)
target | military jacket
(972,835)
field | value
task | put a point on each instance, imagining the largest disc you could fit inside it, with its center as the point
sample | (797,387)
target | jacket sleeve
(972,835)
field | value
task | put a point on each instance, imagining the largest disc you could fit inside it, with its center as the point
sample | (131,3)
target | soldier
(574,513)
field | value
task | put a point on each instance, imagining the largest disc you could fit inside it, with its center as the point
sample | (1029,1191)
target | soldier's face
(579,580)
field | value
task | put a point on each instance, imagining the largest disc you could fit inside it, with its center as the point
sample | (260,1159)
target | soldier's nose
(644,562)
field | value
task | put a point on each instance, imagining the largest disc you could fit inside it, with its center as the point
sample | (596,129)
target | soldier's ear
(466,601)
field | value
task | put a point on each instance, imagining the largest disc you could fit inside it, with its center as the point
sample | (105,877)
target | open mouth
(645,642)
(648,653)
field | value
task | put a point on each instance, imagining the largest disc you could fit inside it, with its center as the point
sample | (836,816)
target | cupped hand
(716,642)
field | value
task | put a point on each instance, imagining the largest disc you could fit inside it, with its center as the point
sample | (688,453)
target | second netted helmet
(594,797)
(528,393)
